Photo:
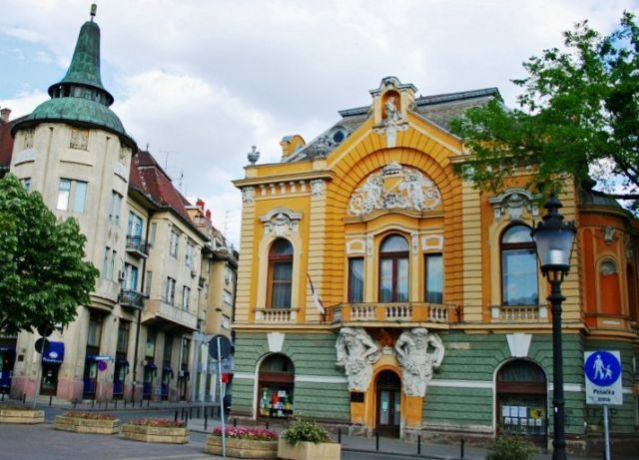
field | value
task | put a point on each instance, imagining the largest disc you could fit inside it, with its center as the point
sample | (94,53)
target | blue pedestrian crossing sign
(602,369)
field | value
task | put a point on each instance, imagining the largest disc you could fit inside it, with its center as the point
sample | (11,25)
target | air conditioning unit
(193,273)
(122,275)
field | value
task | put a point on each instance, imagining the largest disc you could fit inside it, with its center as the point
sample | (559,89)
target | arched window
(280,272)
(276,383)
(393,270)
(609,287)
(518,267)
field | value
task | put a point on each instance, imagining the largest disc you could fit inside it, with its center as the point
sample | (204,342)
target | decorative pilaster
(316,239)
(243,303)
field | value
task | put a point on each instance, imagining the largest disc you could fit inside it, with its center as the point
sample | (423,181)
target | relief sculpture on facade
(395,187)
(419,352)
(356,353)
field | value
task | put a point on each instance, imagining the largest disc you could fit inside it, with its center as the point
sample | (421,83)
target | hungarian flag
(316,300)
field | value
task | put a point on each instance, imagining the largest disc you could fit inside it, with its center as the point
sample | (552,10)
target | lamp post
(554,240)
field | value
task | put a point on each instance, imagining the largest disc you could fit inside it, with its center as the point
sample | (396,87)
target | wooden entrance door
(389,401)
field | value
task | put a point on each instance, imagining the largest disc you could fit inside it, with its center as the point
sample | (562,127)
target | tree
(578,115)
(43,277)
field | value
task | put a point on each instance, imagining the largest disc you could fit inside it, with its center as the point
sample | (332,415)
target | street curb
(395,454)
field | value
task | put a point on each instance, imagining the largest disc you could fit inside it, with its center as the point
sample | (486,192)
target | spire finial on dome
(94,8)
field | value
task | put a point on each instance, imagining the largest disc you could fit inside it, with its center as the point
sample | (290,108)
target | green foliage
(578,115)
(511,448)
(305,431)
(42,275)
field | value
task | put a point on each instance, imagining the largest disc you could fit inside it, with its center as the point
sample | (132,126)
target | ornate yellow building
(378,289)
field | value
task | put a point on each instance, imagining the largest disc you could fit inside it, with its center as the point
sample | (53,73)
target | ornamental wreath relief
(395,187)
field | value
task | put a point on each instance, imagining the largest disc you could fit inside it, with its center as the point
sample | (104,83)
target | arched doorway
(389,401)
(276,387)
(522,399)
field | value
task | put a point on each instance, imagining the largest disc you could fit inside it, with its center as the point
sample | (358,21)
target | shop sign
(602,369)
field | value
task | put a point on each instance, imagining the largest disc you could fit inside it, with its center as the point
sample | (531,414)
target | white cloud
(204,80)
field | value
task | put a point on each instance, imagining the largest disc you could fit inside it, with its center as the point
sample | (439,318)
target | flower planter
(241,448)
(86,425)
(147,433)
(308,450)
(20,415)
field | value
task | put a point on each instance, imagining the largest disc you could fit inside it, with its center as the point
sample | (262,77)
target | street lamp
(554,240)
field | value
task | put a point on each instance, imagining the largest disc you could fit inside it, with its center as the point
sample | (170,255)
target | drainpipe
(139,320)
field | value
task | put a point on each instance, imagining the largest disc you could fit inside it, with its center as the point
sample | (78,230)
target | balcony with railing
(136,245)
(131,299)
(164,313)
(519,313)
(276,315)
(397,313)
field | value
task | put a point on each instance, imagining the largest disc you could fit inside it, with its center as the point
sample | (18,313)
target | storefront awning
(54,352)
(122,362)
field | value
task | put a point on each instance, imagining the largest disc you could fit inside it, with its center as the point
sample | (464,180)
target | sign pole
(219,377)
(606,432)
(36,390)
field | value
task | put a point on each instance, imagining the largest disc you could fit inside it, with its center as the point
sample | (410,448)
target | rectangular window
(169,295)
(186,346)
(95,331)
(123,336)
(173,244)
(186,297)
(227,297)
(112,272)
(105,263)
(26,183)
(135,226)
(116,205)
(356,280)
(152,231)
(149,349)
(189,255)
(80,196)
(64,192)
(148,280)
(168,350)
(131,273)
(226,322)
(434,278)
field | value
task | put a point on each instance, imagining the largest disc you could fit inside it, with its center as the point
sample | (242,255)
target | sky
(200,81)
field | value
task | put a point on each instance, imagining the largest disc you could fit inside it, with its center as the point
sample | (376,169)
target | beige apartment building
(163,266)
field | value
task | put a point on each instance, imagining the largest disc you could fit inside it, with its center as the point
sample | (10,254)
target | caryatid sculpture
(417,360)
(356,353)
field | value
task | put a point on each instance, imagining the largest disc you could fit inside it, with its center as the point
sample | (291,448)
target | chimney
(208,214)
(4,115)
(200,203)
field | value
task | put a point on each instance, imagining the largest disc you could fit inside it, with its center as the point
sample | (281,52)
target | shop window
(356,280)
(149,349)
(521,399)
(280,272)
(518,267)
(393,270)
(434,278)
(276,387)
(609,287)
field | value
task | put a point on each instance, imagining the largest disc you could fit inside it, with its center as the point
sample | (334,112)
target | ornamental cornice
(286,178)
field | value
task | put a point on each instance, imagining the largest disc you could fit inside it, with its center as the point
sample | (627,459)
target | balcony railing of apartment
(519,313)
(132,299)
(394,312)
(135,244)
(160,309)
(276,315)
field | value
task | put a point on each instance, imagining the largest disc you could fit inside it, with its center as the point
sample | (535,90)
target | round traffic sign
(40,344)
(602,368)
(102,366)
(222,344)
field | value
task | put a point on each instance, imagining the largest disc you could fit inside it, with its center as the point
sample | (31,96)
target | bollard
(339,436)
(182,414)
(148,403)
(206,420)
(92,403)
(106,405)
(198,411)
(234,422)
(50,400)
(3,396)
(461,454)
(266,424)
(176,416)
(191,412)
(419,444)
(186,422)
(115,403)
(75,402)
(125,403)
(377,440)
(24,398)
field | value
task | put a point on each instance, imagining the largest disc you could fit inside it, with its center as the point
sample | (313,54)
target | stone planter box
(86,425)
(241,448)
(25,416)
(145,433)
(309,450)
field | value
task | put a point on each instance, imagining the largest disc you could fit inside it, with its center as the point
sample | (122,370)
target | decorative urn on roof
(253,155)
